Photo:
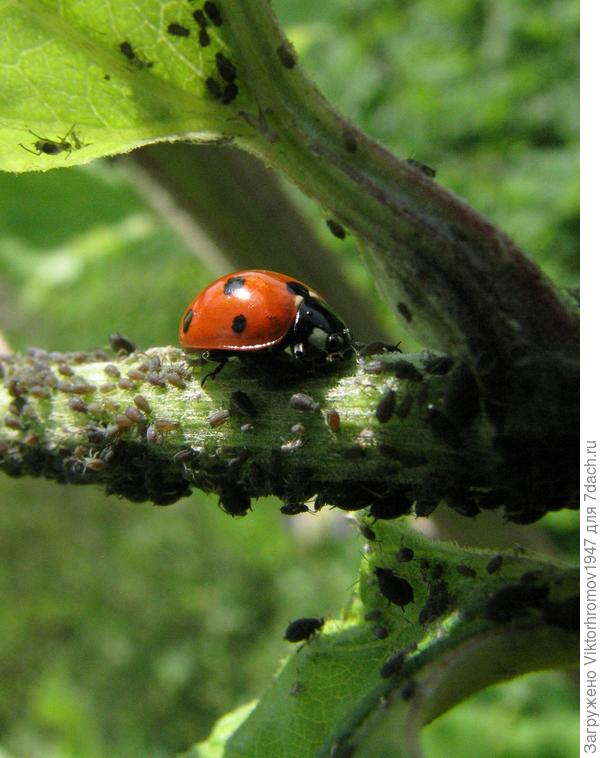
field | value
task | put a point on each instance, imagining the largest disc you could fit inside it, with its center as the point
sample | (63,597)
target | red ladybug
(252,312)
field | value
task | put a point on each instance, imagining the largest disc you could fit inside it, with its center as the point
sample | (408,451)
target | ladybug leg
(215,372)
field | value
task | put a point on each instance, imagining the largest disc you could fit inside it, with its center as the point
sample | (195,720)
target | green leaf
(332,691)
(83,79)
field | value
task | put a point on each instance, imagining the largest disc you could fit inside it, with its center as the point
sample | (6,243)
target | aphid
(112,370)
(136,375)
(226,68)
(393,665)
(297,429)
(165,425)
(367,532)
(515,600)
(332,417)
(438,365)
(235,500)
(121,344)
(462,503)
(154,378)
(436,603)
(394,588)
(106,388)
(423,168)
(467,571)
(46,146)
(203,38)
(218,418)
(303,629)
(425,507)
(461,399)
(437,571)
(386,406)
(17,405)
(300,401)
(377,347)
(95,434)
(81,387)
(291,445)
(293,509)
(142,403)
(123,421)
(409,690)
(229,93)
(38,391)
(77,404)
(404,311)
(405,554)
(381,632)
(200,19)
(373,615)
(336,229)
(442,427)
(125,383)
(65,369)
(403,409)
(93,464)
(154,363)
(248,313)
(565,615)
(241,403)
(112,431)
(12,422)
(246,428)
(374,367)
(391,505)
(286,55)
(174,379)
(213,13)
(177,30)
(495,564)
(350,141)
(127,50)
(407,371)
(530,577)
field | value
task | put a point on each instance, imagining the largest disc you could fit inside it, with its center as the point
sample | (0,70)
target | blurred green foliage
(128,629)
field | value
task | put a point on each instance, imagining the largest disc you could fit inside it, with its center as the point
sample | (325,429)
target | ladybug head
(318,333)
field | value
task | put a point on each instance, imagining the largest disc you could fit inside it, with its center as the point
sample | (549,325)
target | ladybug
(250,313)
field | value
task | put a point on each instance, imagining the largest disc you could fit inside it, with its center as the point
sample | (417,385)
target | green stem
(467,286)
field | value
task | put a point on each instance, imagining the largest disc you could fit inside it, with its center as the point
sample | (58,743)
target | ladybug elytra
(253,312)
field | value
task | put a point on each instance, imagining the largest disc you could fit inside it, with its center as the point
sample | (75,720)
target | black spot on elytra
(187,320)
(297,289)
(233,284)
(239,323)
